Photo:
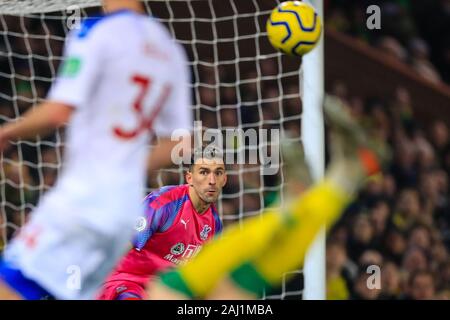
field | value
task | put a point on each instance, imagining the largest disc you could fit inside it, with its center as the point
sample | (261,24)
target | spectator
(421,286)
(390,282)
(361,237)
(337,285)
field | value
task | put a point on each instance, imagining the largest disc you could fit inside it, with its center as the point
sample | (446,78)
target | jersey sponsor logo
(141,223)
(174,260)
(191,251)
(71,67)
(177,249)
(205,232)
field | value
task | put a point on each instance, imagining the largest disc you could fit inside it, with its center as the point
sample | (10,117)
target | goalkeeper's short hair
(206,151)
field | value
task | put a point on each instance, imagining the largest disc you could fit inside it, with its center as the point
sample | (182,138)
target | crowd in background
(401,219)
(416,32)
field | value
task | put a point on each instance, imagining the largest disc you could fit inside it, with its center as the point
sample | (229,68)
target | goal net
(239,82)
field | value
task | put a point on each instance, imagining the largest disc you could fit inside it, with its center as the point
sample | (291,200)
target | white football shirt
(126,78)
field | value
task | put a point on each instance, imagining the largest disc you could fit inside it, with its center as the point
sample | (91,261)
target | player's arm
(174,124)
(154,220)
(40,120)
(84,52)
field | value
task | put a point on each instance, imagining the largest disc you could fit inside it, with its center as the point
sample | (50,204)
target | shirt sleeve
(151,222)
(177,113)
(218,223)
(80,68)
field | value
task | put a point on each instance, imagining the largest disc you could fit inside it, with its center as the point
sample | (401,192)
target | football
(294,27)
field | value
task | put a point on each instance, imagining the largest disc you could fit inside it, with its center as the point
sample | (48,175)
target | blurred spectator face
(229,95)
(429,185)
(49,175)
(252,203)
(371,257)
(442,181)
(408,203)
(424,150)
(18,173)
(228,210)
(426,160)
(336,256)
(420,237)
(414,260)
(252,177)
(402,96)
(379,215)
(292,104)
(389,186)
(271,106)
(340,234)
(375,186)
(207,73)
(439,133)
(340,90)
(396,243)
(293,127)
(49,166)
(392,47)
(269,67)
(228,118)
(251,87)
(362,289)
(209,119)
(17,218)
(422,286)
(380,116)
(362,229)
(208,96)
(419,48)
(405,156)
(439,254)
(6,111)
(390,279)
(357,107)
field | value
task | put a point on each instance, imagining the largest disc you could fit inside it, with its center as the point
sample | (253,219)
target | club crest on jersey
(121,289)
(205,232)
(141,223)
(177,249)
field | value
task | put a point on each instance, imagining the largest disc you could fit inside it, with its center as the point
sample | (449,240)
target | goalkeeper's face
(207,177)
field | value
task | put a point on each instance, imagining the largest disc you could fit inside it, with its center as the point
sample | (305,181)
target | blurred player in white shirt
(122,80)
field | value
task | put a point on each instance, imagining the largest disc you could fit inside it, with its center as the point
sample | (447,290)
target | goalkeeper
(245,264)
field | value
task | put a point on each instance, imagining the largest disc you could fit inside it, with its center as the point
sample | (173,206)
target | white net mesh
(239,81)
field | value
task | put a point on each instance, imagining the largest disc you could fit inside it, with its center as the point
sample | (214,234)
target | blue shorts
(24,287)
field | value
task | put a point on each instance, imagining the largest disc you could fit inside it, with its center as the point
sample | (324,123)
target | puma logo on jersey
(183,222)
